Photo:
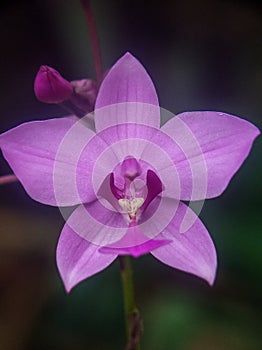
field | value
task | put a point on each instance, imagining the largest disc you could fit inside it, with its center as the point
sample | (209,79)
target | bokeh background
(201,55)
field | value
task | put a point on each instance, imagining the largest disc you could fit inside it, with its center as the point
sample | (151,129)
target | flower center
(131,206)
(130,188)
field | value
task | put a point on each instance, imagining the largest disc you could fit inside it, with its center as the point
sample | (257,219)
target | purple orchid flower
(130,178)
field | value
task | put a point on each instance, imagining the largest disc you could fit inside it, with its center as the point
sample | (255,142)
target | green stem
(132,315)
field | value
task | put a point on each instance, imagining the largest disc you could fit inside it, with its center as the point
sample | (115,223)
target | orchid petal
(78,259)
(154,187)
(134,243)
(148,145)
(44,156)
(97,223)
(214,146)
(110,147)
(127,81)
(109,192)
(115,191)
(192,251)
(127,95)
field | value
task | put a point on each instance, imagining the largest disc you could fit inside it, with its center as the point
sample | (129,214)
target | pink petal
(110,147)
(78,259)
(149,145)
(127,95)
(44,156)
(114,190)
(108,191)
(192,251)
(98,224)
(154,187)
(211,148)
(134,243)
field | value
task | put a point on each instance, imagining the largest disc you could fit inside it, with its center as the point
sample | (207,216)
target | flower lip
(134,243)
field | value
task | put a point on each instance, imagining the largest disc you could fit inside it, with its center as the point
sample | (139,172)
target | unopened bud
(51,87)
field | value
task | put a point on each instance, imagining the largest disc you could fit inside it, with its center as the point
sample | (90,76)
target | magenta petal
(127,81)
(51,87)
(192,251)
(78,259)
(154,187)
(134,243)
(214,146)
(98,224)
(130,93)
(109,148)
(135,251)
(109,192)
(44,156)
(115,191)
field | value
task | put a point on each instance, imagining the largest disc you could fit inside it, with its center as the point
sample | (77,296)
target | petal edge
(78,259)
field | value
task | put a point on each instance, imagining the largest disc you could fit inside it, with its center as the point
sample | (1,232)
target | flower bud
(51,87)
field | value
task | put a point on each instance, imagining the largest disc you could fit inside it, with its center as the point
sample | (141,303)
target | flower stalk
(6,179)
(91,24)
(133,320)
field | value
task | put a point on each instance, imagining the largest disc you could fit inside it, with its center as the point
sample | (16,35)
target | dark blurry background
(201,55)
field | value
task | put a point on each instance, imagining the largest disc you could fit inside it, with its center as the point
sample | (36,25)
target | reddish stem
(6,179)
(91,24)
